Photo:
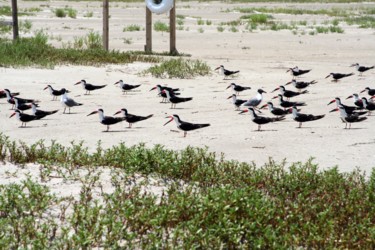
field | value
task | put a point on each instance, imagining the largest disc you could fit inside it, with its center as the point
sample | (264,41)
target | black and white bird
(300,84)
(348,109)
(3,95)
(361,69)
(300,118)
(288,104)
(275,110)
(185,126)
(261,120)
(130,118)
(370,92)
(357,101)
(288,93)
(236,102)
(24,118)
(226,72)
(68,102)
(41,113)
(370,106)
(54,92)
(337,76)
(106,120)
(126,87)
(173,99)
(89,87)
(348,118)
(297,71)
(11,99)
(237,88)
(163,94)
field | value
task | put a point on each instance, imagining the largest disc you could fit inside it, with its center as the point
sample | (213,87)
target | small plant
(200,21)
(60,12)
(200,30)
(93,40)
(25,26)
(89,14)
(220,28)
(127,40)
(233,29)
(72,13)
(131,27)
(208,22)
(161,27)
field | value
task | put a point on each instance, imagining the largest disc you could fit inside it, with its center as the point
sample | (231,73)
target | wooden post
(172,30)
(15,19)
(105,24)
(148,46)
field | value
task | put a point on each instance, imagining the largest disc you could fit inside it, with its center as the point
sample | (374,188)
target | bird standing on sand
(54,92)
(361,69)
(300,118)
(175,99)
(260,120)
(130,118)
(226,72)
(185,126)
(297,71)
(236,102)
(237,88)
(255,101)
(89,87)
(337,76)
(300,85)
(126,87)
(348,118)
(41,113)
(370,92)
(68,102)
(106,120)
(24,118)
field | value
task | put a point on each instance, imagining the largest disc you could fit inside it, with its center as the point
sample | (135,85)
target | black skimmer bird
(226,72)
(126,87)
(68,102)
(261,120)
(89,87)
(370,106)
(107,120)
(163,93)
(300,85)
(54,92)
(348,109)
(130,118)
(357,101)
(297,72)
(288,93)
(337,76)
(288,104)
(361,69)
(21,106)
(173,99)
(185,126)
(41,113)
(276,111)
(370,92)
(24,118)
(237,88)
(3,94)
(300,118)
(349,118)
(255,101)
(11,98)
(236,102)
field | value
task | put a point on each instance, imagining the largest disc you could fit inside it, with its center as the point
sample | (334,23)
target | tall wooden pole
(105,24)
(15,19)
(148,46)
(172,30)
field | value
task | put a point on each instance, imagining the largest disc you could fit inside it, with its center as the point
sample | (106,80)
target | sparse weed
(131,27)
(161,27)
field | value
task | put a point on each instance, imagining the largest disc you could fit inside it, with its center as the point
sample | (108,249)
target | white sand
(261,56)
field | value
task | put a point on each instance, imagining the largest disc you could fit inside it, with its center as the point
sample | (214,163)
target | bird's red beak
(363,91)
(334,110)
(116,82)
(331,102)
(217,68)
(275,90)
(230,97)
(118,112)
(288,70)
(351,96)
(328,76)
(244,111)
(94,112)
(153,88)
(372,97)
(12,115)
(288,83)
(275,97)
(169,120)
(264,106)
(77,83)
(45,88)
(228,87)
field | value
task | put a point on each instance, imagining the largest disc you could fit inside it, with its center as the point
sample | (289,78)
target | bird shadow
(265,130)
(353,128)
(113,131)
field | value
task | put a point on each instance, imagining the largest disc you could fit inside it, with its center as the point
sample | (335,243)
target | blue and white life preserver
(159,6)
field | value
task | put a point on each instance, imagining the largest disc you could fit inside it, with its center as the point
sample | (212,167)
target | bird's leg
(258,127)
(185,133)
(107,128)
(64,110)
(350,125)
(300,125)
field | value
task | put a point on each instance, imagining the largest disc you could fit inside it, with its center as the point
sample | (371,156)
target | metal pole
(15,19)
(105,24)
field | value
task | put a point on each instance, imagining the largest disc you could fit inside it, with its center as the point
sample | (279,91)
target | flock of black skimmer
(348,114)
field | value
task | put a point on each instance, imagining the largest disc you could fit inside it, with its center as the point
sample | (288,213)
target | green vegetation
(206,202)
(179,68)
(131,27)
(72,13)
(36,52)
(160,26)
(89,14)
(365,22)
(60,12)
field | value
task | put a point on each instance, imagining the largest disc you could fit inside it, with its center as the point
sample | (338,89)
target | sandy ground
(262,58)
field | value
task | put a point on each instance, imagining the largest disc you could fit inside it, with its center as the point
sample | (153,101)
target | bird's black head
(260,91)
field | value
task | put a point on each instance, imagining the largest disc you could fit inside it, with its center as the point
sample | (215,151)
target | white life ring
(159,6)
